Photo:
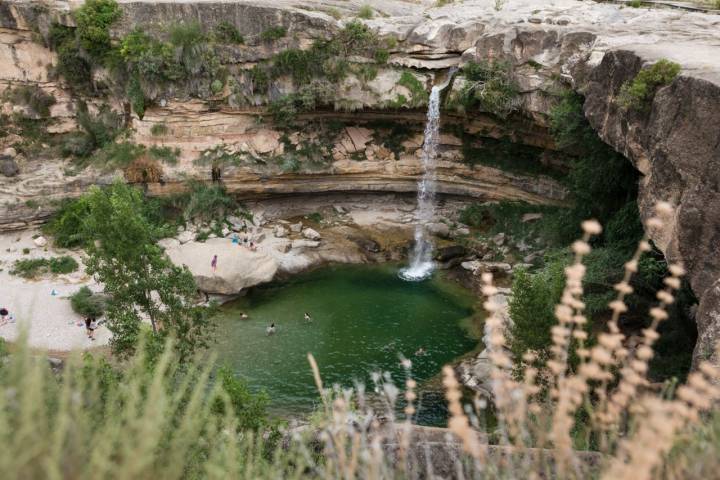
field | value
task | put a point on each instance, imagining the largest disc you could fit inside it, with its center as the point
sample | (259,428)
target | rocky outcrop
(679,160)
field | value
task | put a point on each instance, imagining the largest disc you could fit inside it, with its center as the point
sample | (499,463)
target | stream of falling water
(421,263)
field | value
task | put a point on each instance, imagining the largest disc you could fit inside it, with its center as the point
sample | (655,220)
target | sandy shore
(48,319)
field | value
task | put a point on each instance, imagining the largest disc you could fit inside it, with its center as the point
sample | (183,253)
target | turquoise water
(363,319)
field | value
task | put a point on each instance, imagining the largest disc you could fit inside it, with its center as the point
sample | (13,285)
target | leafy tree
(139,278)
(94,19)
(532,309)
(249,409)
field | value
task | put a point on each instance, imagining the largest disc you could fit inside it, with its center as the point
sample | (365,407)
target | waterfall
(421,264)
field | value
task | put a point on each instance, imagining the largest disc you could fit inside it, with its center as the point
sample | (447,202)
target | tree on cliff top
(140,279)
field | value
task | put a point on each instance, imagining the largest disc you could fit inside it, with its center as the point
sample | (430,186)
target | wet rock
(367,244)
(311,234)
(445,254)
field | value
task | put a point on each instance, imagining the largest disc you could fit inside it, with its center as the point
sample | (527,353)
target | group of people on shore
(246,242)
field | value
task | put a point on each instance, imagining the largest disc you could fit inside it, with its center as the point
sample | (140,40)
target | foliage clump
(366,12)
(489,86)
(88,304)
(138,277)
(209,203)
(637,94)
(33,267)
(31,96)
(226,32)
(273,33)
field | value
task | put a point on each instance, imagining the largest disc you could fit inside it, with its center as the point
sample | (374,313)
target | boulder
(237,268)
(40,241)
(8,166)
(439,229)
(531,217)
(283,246)
(265,141)
(339,209)
(367,244)
(461,232)
(186,236)
(296,227)
(237,224)
(300,244)
(311,234)
(280,232)
(448,253)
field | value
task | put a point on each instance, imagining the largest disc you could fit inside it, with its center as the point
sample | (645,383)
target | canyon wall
(589,47)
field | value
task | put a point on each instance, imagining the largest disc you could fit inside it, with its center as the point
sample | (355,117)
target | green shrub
(635,3)
(273,33)
(96,131)
(226,32)
(158,130)
(33,267)
(250,410)
(66,224)
(307,98)
(637,94)
(94,19)
(381,55)
(532,309)
(88,304)
(418,95)
(366,12)
(209,203)
(260,79)
(490,86)
(30,96)
(602,182)
(164,154)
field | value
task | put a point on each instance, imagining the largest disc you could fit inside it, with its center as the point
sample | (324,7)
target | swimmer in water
(308,318)
(271,329)
(420,352)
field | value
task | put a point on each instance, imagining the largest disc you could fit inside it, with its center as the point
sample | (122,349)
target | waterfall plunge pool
(363,318)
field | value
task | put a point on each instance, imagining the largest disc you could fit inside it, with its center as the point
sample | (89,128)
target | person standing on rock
(213,263)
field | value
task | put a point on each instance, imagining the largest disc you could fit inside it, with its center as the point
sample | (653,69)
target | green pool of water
(363,319)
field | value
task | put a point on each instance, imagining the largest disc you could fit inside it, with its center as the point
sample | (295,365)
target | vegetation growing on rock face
(366,12)
(31,96)
(273,33)
(637,94)
(489,86)
(226,32)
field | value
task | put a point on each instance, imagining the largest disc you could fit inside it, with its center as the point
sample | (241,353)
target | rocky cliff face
(594,48)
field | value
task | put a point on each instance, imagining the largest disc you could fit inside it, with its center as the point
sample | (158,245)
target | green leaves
(638,93)
(140,279)
(93,20)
